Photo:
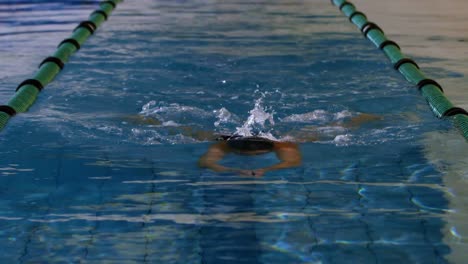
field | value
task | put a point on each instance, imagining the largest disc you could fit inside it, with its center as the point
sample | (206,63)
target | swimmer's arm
(140,120)
(360,119)
(288,154)
(173,130)
(211,158)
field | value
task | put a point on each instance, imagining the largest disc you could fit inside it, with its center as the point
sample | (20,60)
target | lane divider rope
(55,60)
(71,41)
(430,89)
(28,90)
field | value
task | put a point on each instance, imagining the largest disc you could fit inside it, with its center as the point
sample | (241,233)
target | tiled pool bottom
(103,206)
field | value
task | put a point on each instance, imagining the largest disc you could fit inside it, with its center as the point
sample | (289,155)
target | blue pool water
(85,177)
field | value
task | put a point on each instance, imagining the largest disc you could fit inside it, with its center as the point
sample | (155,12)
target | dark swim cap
(250,143)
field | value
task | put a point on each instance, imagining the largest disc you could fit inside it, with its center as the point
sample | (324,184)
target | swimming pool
(85,179)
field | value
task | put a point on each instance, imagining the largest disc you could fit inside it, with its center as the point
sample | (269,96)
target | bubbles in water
(110,129)
(317,115)
(170,114)
(342,115)
(147,137)
(342,140)
(170,123)
(255,123)
(176,119)
(224,116)
(148,106)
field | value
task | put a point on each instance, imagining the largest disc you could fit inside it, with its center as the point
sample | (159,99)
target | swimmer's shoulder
(221,146)
(285,145)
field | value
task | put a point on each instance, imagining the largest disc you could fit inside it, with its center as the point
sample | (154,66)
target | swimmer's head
(250,145)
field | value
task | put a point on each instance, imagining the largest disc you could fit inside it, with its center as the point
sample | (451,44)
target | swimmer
(287,152)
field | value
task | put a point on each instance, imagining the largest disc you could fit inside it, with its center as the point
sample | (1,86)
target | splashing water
(223,117)
(255,123)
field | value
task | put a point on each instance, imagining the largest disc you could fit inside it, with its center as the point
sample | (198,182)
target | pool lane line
(28,90)
(429,88)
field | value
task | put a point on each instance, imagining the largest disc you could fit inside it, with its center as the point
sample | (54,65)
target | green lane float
(430,89)
(28,90)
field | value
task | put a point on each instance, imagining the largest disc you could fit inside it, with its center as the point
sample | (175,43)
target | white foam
(317,115)
(343,114)
(257,119)
(224,117)
(170,123)
(342,139)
